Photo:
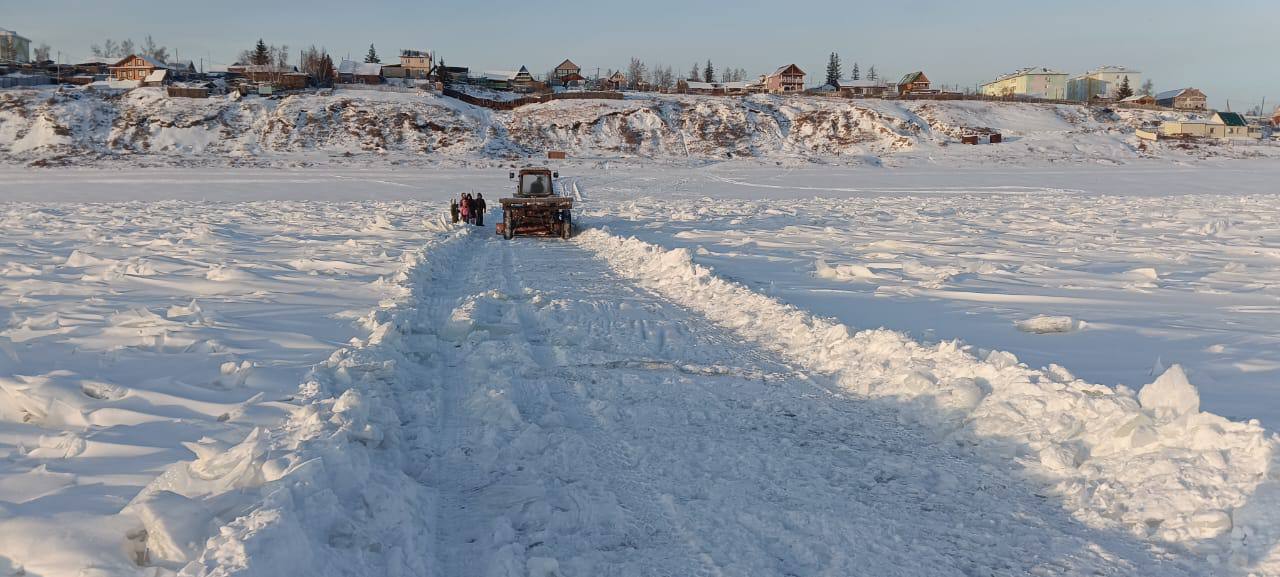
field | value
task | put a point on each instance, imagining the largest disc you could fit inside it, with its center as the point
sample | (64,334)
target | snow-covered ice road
(576,424)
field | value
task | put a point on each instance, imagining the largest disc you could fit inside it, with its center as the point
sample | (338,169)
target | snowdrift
(146,127)
(1149,462)
(328,492)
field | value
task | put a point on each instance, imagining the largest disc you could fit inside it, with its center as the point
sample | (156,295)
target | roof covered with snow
(149,60)
(1166,95)
(1029,71)
(359,68)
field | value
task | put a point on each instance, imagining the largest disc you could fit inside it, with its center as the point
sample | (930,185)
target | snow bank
(145,127)
(330,492)
(1046,324)
(1150,463)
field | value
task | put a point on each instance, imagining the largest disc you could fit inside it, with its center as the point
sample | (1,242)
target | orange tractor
(537,209)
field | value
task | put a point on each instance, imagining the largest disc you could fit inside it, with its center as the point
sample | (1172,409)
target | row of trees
(112,49)
(664,77)
(835,71)
(708,73)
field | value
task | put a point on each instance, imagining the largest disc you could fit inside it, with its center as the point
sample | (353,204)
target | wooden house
(136,67)
(1275,118)
(182,68)
(863,88)
(789,78)
(352,72)
(282,77)
(523,81)
(1140,100)
(914,83)
(1183,99)
(566,69)
(617,81)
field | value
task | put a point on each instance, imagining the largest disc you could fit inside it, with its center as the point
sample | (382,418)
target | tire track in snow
(571,443)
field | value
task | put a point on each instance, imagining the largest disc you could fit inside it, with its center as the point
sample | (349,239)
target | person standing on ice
(465,207)
(453,210)
(480,209)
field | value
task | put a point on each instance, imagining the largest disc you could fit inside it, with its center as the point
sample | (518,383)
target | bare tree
(636,72)
(108,49)
(126,47)
(42,52)
(317,64)
(151,50)
(664,77)
(695,73)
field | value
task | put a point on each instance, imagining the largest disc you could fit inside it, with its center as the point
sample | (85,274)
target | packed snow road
(585,426)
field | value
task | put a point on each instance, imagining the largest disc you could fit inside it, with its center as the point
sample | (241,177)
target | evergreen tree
(872,75)
(856,74)
(442,72)
(372,56)
(261,54)
(709,73)
(833,69)
(1125,90)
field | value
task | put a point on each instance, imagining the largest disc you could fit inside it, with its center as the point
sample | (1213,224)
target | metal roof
(1041,71)
(1166,95)
(1231,118)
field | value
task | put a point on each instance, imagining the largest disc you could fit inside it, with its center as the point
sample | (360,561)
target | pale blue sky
(1227,48)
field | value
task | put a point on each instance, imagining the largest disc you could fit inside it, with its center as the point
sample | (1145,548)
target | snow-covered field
(268,373)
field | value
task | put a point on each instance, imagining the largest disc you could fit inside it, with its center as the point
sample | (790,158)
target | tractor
(537,209)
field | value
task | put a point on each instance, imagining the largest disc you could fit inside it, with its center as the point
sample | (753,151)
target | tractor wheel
(566,225)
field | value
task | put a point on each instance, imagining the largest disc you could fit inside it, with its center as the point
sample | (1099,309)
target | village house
(863,88)
(616,81)
(789,78)
(1183,99)
(415,64)
(1140,100)
(1030,83)
(181,70)
(457,72)
(1102,83)
(1232,126)
(497,79)
(1223,125)
(14,48)
(567,69)
(135,67)
(281,77)
(393,71)
(914,83)
(352,72)
(1275,118)
(523,81)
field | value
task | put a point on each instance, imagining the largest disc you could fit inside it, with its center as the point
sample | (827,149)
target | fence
(376,88)
(187,92)
(518,102)
(28,80)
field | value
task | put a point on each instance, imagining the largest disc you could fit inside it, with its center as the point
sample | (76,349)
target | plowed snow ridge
(607,407)
(1151,463)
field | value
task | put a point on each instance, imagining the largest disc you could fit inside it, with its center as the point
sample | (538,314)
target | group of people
(470,209)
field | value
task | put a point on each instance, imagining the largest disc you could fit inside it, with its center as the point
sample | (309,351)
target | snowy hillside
(145,127)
